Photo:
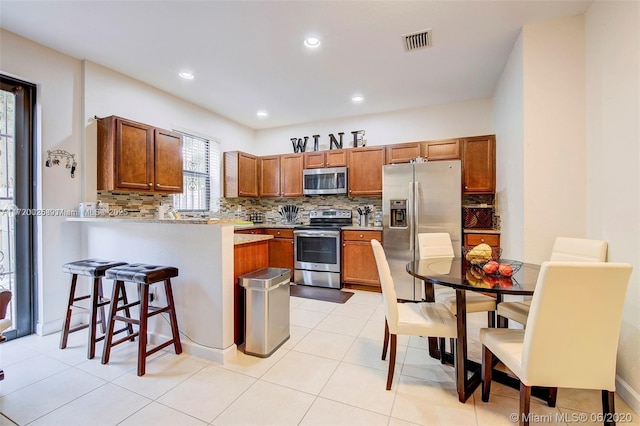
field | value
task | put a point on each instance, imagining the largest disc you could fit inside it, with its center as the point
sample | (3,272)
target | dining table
(461,275)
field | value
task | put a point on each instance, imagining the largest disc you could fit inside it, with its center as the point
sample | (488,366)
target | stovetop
(326,219)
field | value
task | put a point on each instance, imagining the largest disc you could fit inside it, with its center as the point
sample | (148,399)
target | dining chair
(5,323)
(564,249)
(577,310)
(438,244)
(427,319)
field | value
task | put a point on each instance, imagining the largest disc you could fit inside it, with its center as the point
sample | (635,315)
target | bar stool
(144,276)
(94,268)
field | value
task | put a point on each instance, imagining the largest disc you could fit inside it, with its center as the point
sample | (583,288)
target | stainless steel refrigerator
(416,198)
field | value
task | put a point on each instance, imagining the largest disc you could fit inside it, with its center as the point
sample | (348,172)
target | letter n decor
(333,141)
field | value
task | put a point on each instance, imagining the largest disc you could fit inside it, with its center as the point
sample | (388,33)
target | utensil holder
(364,220)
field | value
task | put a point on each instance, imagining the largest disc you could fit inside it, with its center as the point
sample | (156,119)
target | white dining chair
(438,244)
(564,249)
(427,319)
(576,310)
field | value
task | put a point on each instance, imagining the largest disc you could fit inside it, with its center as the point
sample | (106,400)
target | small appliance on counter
(87,209)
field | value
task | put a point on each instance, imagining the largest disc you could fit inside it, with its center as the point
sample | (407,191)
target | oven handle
(317,233)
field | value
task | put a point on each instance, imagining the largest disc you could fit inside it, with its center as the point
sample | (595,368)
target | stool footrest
(128,320)
(76,299)
(155,310)
(78,327)
(159,347)
(125,338)
(128,305)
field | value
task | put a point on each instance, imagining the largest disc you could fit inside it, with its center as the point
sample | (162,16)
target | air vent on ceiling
(417,40)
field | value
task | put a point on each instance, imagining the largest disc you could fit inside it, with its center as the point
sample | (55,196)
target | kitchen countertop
(481,231)
(125,219)
(362,228)
(239,239)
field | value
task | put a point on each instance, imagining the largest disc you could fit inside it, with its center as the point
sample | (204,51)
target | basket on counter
(477,217)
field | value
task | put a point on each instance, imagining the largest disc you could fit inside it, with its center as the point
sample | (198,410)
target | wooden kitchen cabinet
(358,262)
(137,157)
(322,159)
(281,248)
(291,175)
(474,239)
(270,176)
(448,149)
(365,171)
(240,174)
(402,152)
(479,165)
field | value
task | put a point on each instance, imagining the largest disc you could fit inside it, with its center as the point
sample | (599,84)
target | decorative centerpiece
(487,269)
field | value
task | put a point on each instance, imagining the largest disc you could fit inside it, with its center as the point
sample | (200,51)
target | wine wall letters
(300,144)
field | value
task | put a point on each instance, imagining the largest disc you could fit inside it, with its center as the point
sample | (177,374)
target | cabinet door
(247,175)
(291,175)
(441,150)
(314,160)
(134,156)
(168,164)
(359,263)
(474,239)
(270,176)
(479,165)
(402,153)
(281,253)
(365,171)
(335,158)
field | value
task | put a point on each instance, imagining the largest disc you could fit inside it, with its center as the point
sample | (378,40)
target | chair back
(435,244)
(571,339)
(388,291)
(5,298)
(578,250)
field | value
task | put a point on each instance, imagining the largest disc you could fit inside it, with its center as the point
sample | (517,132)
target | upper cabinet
(291,175)
(402,152)
(448,149)
(270,176)
(240,174)
(137,157)
(321,159)
(365,171)
(479,165)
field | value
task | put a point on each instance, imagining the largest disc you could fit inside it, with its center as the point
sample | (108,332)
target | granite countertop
(362,228)
(480,231)
(239,239)
(125,219)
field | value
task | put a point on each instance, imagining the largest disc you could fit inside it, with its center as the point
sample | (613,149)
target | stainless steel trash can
(266,325)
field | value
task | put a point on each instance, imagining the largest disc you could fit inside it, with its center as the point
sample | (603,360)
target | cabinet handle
(150,184)
(466,187)
(361,236)
(344,245)
(482,240)
(157,184)
(278,232)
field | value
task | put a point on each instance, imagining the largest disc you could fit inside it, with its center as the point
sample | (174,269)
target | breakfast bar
(202,250)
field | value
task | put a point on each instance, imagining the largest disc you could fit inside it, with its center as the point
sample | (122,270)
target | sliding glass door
(17,196)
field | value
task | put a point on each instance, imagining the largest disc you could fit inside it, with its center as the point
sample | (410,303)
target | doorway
(17,202)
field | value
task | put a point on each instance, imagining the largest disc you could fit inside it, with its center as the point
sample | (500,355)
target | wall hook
(65,155)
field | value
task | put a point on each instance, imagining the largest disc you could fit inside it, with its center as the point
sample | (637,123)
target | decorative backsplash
(146,205)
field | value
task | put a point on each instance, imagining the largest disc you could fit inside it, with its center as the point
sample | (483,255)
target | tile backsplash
(146,205)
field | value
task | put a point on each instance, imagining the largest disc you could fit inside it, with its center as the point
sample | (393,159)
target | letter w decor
(299,145)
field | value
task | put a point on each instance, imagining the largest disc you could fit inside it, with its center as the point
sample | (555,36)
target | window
(201,167)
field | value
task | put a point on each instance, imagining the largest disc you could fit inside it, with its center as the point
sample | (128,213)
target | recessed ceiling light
(186,75)
(262,114)
(357,98)
(312,42)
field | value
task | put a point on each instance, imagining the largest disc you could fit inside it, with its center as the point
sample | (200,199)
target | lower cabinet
(281,248)
(358,263)
(246,258)
(474,239)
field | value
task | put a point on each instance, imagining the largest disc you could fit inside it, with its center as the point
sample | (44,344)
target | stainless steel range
(317,248)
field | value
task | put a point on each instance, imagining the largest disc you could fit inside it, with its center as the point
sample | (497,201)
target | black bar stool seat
(144,276)
(96,269)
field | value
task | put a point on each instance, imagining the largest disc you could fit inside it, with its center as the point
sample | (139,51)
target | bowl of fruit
(488,259)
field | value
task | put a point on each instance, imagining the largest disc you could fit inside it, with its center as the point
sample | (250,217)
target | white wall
(613,160)
(70,93)
(59,97)
(110,93)
(508,124)
(554,134)
(429,123)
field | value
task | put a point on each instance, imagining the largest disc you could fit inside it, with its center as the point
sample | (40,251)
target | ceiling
(249,55)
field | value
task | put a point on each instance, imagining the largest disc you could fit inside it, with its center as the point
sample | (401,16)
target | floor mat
(320,293)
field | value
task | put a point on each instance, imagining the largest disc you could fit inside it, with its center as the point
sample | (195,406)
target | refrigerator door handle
(411,219)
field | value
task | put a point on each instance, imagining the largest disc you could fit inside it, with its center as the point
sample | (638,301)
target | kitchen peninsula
(202,250)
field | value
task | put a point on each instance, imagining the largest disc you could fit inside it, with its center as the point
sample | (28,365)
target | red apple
(491,267)
(505,270)
(505,282)
(490,281)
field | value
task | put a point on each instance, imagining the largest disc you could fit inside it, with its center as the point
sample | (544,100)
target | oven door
(317,250)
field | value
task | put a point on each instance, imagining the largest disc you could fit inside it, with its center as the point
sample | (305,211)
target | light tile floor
(328,373)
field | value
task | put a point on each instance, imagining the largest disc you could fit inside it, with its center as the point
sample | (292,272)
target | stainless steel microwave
(325,181)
